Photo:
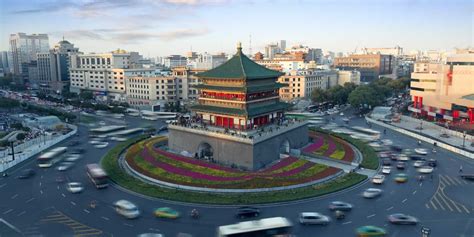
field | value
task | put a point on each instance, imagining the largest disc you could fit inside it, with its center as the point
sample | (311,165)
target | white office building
(24,49)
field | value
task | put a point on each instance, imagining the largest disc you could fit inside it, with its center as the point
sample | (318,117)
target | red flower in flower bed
(316,145)
(349,153)
(331,146)
(282,163)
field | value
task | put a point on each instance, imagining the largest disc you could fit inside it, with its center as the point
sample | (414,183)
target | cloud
(195,2)
(182,33)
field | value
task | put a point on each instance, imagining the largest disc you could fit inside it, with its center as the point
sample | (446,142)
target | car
(245,212)
(401,165)
(340,206)
(102,123)
(384,154)
(401,178)
(72,157)
(166,212)
(369,230)
(26,173)
(372,193)
(432,162)
(63,166)
(417,157)
(378,179)
(402,157)
(74,187)
(396,148)
(418,163)
(386,162)
(150,235)
(126,209)
(118,139)
(467,176)
(402,219)
(387,142)
(407,152)
(421,151)
(386,170)
(425,170)
(101,145)
(313,218)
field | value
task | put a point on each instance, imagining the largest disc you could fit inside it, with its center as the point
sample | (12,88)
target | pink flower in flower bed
(316,145)
(331,147)
(176,170)
(282,163)
(295,170)
(194,161)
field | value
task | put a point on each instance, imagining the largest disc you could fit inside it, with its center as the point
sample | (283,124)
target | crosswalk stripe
(443,181)
(444,201)
(452,202)
(439,203)
(433,205)
(88,234)
(454,180)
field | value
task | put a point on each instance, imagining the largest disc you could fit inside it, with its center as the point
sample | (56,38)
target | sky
(164,27)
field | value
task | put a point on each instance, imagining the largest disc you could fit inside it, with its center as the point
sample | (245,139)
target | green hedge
(111,166)
(370,159)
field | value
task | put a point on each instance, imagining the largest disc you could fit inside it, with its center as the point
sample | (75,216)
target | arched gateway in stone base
(240,116)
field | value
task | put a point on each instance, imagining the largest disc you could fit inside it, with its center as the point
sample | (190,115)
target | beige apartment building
(301,83)
(445,90)
(370,66)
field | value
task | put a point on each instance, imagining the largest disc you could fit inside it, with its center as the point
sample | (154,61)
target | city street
(41,205)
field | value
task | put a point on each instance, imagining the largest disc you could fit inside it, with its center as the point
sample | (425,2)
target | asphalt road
(40,206)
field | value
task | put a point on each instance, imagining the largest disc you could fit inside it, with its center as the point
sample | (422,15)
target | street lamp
(463,139)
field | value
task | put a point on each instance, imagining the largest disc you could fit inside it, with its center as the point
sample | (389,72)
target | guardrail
(423,138)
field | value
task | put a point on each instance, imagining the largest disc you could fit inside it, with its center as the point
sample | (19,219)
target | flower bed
(330,146)
(157,163)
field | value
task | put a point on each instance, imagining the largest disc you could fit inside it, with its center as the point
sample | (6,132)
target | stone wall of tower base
(241,154)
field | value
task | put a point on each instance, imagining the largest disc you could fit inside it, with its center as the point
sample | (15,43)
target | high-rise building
(271,50)
(206,61)
(282,45)
(174,61)
(444,90)
(370,66)
(53,67)
(104,74)
(24,50)
(5,62)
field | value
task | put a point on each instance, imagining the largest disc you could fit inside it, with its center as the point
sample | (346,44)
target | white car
(314,218)
(402,157)
(386,169)
(421,151)
(372,193)
(387,142)
(74,187)
(102,123)
(63,166)
(418,163)
(118,139)
(126,209)
(378,179)
(72,157)
(425,170)
(101,145)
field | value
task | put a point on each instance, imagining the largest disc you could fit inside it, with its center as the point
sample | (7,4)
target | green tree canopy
(365,95)
(319,95)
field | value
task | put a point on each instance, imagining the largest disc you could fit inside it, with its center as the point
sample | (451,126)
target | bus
(268,227)
(367,131)
(51,157)
(97,175)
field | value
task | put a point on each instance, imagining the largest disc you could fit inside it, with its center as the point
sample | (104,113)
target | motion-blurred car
(402,219)
(368,230)
(421,151)
(63,166)
(432,162)
(78,151)
(378,179)
(26,173)
(401,178)
(340,206)
(402,157)
(72,157)
(386,161)
(386,170)
(101,145)
(313,218)
(425,170)
(372,193)
(166,212)
(150,235)
(401,165)
(126,209)
(246,212)
(396,148)
(74,187)
(418,163)
(417,157)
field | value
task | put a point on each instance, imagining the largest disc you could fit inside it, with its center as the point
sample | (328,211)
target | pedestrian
(384,131)
(460,169)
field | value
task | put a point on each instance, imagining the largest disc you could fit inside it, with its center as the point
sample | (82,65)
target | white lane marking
(62,194)
(3,185)
(414,192)
(105,218)
(157,230)
(29,200)
(73,203)
(345,223)
(370,216)
(87,211)
(21,213)
(390,208)
(128,224)
(14,196)
(8,211)
(421,184)
(57,187)
(404,200)
(40,184)
(41,176)
(41,191)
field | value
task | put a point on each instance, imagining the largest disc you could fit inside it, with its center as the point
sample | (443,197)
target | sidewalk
(345,167)
(434,131)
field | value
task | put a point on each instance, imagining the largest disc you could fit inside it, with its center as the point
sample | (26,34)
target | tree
(319,95)
(365,95)
(20,136)
(86,95)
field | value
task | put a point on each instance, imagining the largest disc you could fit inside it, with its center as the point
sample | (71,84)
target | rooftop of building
(240,67)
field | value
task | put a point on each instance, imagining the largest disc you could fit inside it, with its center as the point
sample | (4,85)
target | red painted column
(420,104)
(455,114)
(415,100)
(470,112)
